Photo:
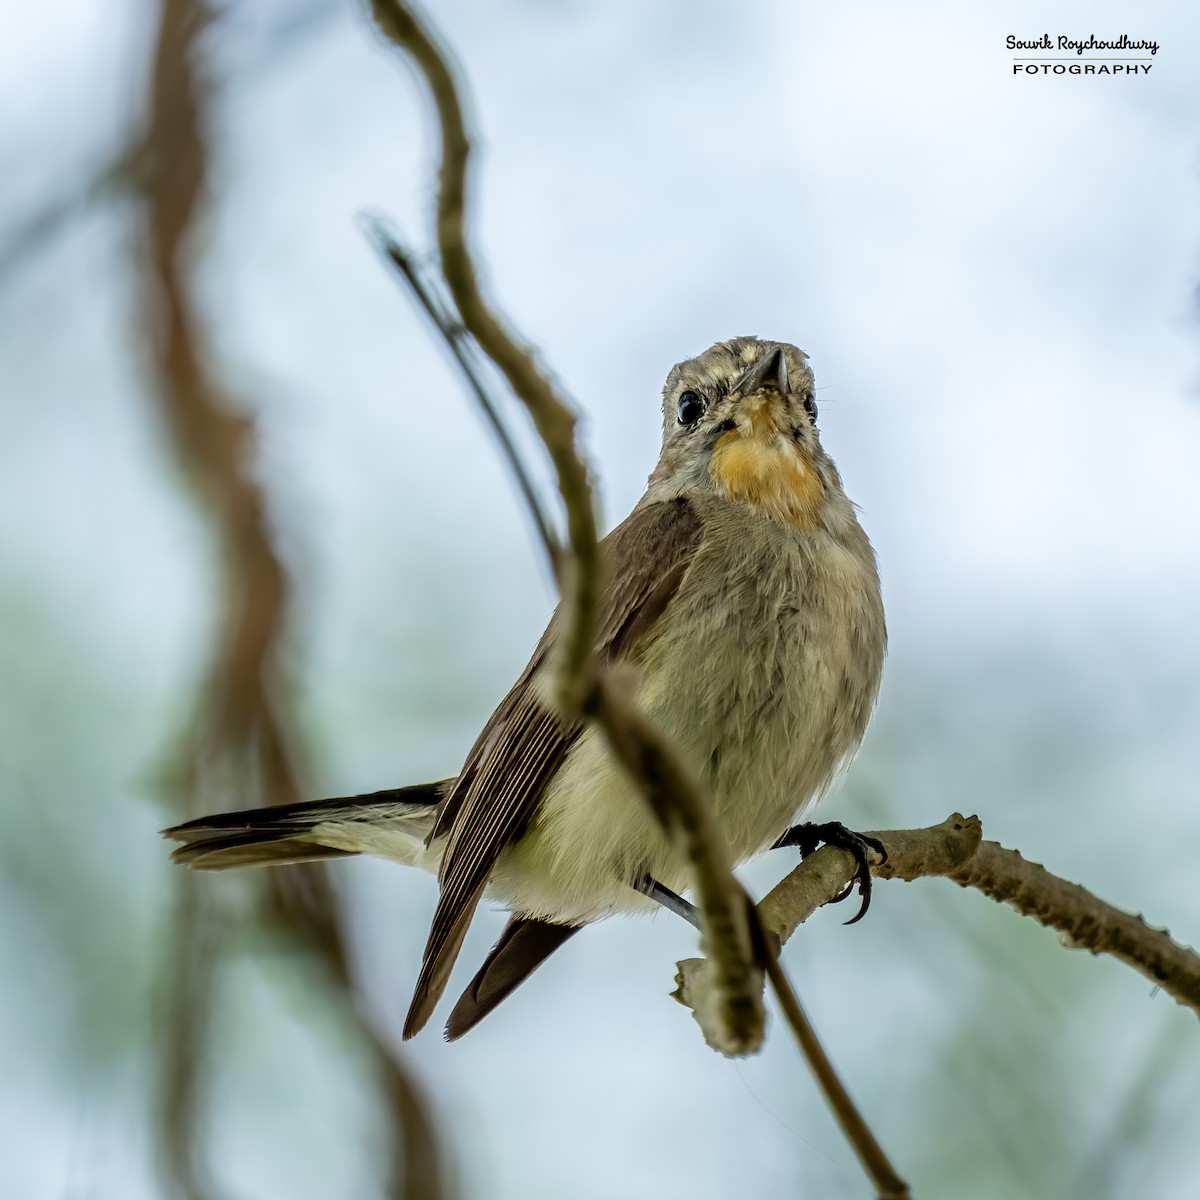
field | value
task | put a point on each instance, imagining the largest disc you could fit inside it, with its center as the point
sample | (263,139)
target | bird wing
(524,945)
(524,741)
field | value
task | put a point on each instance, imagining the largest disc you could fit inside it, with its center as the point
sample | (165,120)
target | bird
(743,597)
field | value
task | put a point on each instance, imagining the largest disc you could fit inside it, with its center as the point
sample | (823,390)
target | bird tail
(394,823)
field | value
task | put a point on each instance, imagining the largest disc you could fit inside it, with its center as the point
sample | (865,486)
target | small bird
(743,595)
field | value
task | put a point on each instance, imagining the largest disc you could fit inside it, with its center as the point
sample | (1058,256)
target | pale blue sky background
(996,280)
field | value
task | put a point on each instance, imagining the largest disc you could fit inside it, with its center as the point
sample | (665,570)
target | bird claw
(808,837)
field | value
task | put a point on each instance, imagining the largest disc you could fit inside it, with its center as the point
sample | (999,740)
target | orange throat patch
(768,470)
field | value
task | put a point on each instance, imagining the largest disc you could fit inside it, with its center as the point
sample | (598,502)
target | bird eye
(691,407)
(810,407)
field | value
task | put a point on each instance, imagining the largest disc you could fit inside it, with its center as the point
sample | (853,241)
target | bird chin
(771,473)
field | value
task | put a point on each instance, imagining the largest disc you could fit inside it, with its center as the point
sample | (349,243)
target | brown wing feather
(523,946)
(523,743)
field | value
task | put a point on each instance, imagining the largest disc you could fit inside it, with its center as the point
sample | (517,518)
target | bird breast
(763,670)
(760,463)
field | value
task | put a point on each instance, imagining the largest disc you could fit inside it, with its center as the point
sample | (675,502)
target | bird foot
(807,837)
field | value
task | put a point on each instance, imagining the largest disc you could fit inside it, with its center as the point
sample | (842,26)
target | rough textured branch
(674,794)
(1084,921)
(955,849)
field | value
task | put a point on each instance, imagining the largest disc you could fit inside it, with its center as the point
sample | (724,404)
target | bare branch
(553,418)
(170,198)
(735,944)
(241,742)
(1084,921)
(955,850)
(858,1133)
(912,854)
(460,345)
(674,795)
(676,798)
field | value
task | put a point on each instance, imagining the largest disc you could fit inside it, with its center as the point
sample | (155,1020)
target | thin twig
(858,1133)
(454,337)
(552,417)
(170,198)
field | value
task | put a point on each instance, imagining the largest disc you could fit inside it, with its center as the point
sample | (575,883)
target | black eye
(810,407)
(691,407)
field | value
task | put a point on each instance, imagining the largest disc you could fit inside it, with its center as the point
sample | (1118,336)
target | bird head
(740,421)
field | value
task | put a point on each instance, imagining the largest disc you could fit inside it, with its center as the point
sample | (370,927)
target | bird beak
(769,371)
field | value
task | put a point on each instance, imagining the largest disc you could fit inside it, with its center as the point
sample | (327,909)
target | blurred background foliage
(995,278)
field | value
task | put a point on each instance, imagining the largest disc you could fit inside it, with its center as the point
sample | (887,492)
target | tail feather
(314,829)
(253,850)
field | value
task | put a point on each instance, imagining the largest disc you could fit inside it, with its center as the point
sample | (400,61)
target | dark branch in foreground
(677,800)
(735,945)
(675,797)
(242,741)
